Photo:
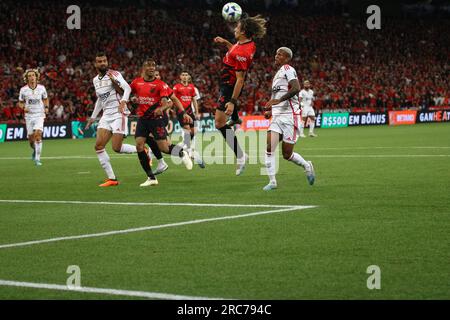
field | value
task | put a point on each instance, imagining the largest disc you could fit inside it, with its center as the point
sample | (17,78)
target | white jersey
(33,99)
(108,98)
(280,86)
(307,98)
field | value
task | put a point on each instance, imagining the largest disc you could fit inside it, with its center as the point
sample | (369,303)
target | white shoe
(241,164)
(161,168)
(187,160)
(149,182)
(270,186)
(302,136)
(312,134)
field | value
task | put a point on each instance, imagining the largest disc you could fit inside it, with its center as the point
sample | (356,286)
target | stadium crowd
(403,65)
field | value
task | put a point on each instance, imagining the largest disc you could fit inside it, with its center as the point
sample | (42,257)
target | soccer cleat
(186,160)
(312,134)
(310,174)
(231,122)
(241,165)
(270,186)
(302,136)
(198,160)
(149,153)
(161,168)
(109,183)
(37,163)
(149,182)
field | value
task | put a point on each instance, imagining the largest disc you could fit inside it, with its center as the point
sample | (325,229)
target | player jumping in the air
(306,101)
(34,101)
(284,109)
(114,121)
(236,64)
(185,92)
(152,96)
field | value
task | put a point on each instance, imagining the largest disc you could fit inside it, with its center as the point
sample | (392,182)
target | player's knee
(139,146)
(99,146)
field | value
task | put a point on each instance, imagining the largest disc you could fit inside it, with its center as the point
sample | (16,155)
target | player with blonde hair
(33,100)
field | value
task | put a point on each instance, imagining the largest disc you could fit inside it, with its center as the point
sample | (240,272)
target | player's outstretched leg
(294,157)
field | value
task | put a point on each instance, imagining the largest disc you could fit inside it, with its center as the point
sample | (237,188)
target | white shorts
(308,112)
(287,126)
(34,124)
(115,125)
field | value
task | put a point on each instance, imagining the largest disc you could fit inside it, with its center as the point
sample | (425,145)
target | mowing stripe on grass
(187,204)
(116,292)
(169,225)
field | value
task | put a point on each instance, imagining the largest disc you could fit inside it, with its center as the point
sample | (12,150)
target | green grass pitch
(382,197)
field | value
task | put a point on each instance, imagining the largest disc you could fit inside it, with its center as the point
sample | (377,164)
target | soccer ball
(231,12)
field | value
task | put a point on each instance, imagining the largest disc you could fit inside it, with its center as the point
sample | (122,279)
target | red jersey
(149,95)
(238,58)
(185,94)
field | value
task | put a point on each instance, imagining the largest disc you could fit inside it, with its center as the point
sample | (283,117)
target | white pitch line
(116,292)
(169,225)
(187,204)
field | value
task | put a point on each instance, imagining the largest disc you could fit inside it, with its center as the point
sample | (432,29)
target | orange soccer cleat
(109,183)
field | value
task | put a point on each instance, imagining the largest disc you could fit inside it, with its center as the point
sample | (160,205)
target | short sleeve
(165,90)
(290,73)
(44,93)
(21,95)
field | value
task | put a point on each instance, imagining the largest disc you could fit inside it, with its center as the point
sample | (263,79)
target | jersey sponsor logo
(34,101)
(240,58)
(104,96)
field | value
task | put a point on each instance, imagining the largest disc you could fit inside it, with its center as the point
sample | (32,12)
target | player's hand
(26,110)
(110,75)
(197,116)
(270,103)
(267,114)
(219,40)
(122,106)
(187,119)
(229,106)
(159,111)
(46,110)
(89,123)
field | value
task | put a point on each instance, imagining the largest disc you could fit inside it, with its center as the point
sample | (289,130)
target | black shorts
(183,123)
(225,94)
(156,127)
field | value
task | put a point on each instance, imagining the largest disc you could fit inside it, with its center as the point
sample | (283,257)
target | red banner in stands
(255,123)
(402,117)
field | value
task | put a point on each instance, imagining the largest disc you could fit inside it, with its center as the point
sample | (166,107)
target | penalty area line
(116,292)
(147,228)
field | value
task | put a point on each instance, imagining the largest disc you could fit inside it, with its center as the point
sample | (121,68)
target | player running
(284,109)
(152,97)
(236,64)
(185,92)
(307,100)
(114,122)
(34,101)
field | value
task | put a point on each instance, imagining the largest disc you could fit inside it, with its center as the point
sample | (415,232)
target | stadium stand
(403,65)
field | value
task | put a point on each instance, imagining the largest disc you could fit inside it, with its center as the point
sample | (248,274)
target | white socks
(298,159)
(271,166)
(128,148)
(38,150)
(301,127)
(106,164)
(311,126)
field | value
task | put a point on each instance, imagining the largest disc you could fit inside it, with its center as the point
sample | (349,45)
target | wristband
(233,101)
